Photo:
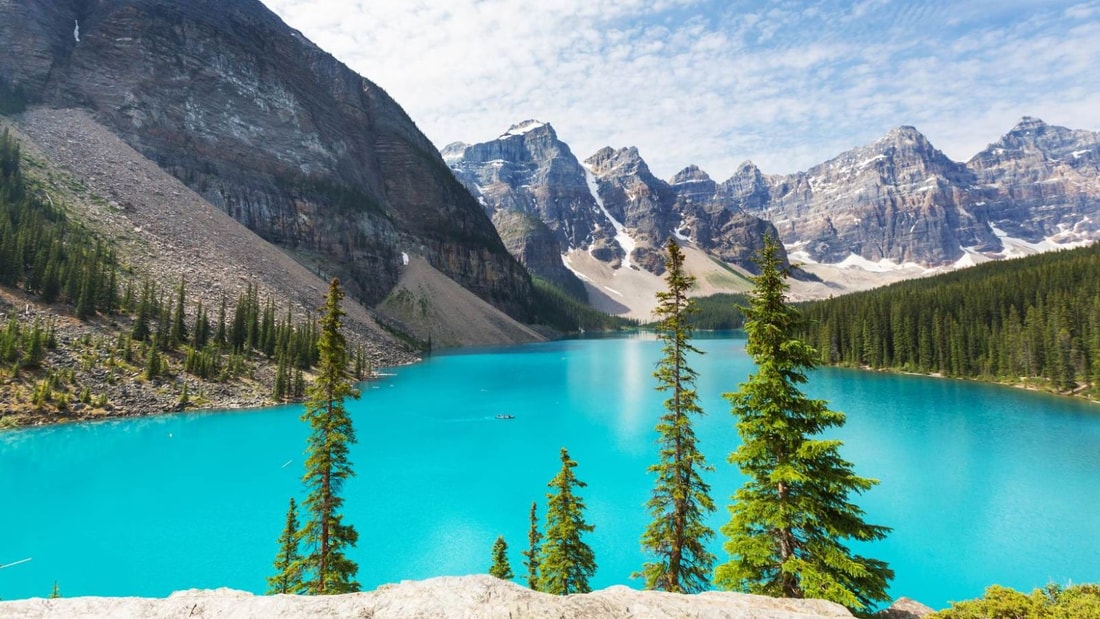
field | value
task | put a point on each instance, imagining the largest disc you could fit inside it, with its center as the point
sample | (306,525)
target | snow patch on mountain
(622,237)
(522,128)
(1065,239)
(855,261)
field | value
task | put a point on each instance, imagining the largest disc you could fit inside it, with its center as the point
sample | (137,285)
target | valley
(181,181)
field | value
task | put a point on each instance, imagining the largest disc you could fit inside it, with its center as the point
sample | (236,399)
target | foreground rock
(904,608)
(449,596)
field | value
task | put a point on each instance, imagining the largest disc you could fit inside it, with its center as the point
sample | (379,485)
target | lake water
(981,484)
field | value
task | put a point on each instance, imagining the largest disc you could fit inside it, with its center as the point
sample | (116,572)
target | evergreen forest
(1033,320)
(140,328)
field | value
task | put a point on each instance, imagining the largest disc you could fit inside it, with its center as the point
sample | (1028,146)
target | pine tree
(681,499)
(566,562)
(288,566)
(141,329)
(279,391)
(153,364)
(789,523)
(531,555)
(328,570)
(219,335)
(55,593)
(177,332)
(501,568)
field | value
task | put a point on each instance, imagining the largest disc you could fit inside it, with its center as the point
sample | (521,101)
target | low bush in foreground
(1051,602)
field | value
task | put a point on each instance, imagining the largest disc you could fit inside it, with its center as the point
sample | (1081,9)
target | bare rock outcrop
(479,596)
(905,608)
(267,127)
(1041,181)
(528,171)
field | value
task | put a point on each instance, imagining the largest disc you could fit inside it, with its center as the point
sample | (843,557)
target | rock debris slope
(165,231)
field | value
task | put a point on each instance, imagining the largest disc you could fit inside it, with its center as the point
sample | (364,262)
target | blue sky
(786,84)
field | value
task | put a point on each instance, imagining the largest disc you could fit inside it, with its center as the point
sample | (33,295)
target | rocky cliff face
(612,206)
(528,171)
(898,199)
(641,201)
(534,244)
(1041,181)
(715,216)
(901,200)
(266,126)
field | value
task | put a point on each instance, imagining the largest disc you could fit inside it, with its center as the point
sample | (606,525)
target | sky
(784,83)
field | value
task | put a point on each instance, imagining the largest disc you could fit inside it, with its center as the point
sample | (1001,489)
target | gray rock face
(905,608)
(715,216)
(902,200)
(1041,180)
(641,201)
(534,244)
(266,126)
(480,596)
(897,199)
(529,170)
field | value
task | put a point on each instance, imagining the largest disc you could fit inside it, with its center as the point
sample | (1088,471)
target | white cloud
(786,84)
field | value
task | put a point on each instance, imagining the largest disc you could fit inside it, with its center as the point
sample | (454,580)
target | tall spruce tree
(791,519)
(328,570)
(681,499)
(288,564)
(566,562)
(177,332)
(531,555)
(501,568)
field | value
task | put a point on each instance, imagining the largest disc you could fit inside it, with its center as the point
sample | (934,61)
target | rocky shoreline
(98,386)
(482,596)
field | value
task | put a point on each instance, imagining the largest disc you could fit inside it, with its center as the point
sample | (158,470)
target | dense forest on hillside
(92,327)
(719,312)
(559,310)
(1034,320)
(45,254)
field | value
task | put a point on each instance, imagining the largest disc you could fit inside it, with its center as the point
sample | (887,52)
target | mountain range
(897,207)
(266,127)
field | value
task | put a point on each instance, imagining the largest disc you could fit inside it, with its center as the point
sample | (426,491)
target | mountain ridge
(897,205)
(267,127)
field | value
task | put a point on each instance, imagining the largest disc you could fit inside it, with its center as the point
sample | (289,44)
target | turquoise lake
(981,484)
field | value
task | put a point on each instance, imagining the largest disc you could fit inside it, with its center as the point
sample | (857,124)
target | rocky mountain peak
(902,158)
(1050,142)
(1028,123)
(528,175)
(622,162)
(453,151)
(746,190)
(903,134)
(746,168)
(693,184)
(1042,182)
(690,174)
(530,126)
